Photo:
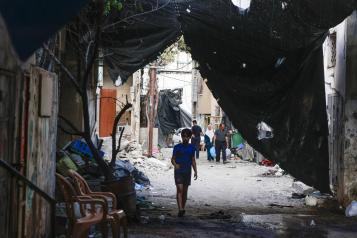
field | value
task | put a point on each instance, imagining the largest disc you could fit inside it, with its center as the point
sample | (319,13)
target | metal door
(107,111)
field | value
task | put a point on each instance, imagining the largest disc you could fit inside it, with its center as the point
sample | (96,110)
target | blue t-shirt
(183,155)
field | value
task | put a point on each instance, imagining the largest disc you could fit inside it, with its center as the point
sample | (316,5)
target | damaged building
(281,63)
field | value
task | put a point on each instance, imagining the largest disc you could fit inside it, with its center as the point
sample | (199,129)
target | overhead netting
(263,64)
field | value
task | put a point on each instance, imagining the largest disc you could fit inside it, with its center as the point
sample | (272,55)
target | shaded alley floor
(234,200)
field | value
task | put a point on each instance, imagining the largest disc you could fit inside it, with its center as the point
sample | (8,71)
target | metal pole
(152,88)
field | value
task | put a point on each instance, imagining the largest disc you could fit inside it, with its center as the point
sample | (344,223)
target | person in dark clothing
(220,143)
(208,146)
(196,137)
(183,158)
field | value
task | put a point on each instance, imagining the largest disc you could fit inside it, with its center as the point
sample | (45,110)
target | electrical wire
(190,82)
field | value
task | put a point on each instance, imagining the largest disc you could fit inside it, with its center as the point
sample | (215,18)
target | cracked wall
(341,96)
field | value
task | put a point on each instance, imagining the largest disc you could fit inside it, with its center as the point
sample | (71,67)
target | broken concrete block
(311,201)
(302,188)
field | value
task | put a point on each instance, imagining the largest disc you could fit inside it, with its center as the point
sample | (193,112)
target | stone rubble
(133,152)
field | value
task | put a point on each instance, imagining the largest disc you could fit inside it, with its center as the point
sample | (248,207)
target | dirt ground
(233,200)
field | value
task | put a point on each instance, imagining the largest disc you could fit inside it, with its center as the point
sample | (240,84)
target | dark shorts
(183,178)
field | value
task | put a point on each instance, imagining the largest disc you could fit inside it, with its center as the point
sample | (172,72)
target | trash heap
(132,151)
(77,156)
(273,171)
(311,196)
(130,161)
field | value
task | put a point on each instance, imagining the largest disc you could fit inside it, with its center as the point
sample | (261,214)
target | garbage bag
(122,169)
(78,160)
(351,210)
(228,153)
(64,164)
(140,178)
(212,151)
(124,164)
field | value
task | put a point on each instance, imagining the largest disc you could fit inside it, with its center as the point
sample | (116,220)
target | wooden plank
(40,156)
(107,111)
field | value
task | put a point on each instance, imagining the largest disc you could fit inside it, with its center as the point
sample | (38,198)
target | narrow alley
(178,118)
(236,200)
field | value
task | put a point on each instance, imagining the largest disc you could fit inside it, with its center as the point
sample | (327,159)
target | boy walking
(183,158)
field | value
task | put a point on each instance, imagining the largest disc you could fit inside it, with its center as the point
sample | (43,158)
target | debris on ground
(351,210)
(316,199)
(124,168)
(280,206)
(302,188)
(77,156)
(143,203)
(312,223)
(310,201)
(275,171)
(162,218)
(298,196)
(144,219)
(139,187)
(267,163)
(133,152)
(220,215)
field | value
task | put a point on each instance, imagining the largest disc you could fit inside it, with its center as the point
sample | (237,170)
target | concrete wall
(143,140)
(123,91)
(204,100)
(341,92)
(349,165)
(207,111)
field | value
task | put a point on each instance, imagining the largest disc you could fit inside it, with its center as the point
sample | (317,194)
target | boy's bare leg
(179,196)
(184,197)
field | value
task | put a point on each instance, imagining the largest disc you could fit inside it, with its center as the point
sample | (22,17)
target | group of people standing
(217,138)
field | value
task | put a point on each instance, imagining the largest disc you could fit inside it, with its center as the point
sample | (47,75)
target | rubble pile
(275,171)
(130,160)
(133,152)
(311,196)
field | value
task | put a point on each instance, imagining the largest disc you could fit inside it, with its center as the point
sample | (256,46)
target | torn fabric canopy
(30,23)
(263,63)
